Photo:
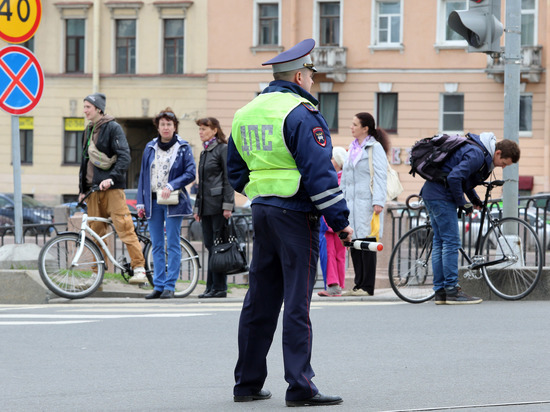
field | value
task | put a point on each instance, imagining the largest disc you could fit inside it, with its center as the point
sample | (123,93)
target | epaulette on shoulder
(310,107)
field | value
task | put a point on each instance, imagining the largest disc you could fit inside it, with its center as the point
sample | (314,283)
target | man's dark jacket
(111,141)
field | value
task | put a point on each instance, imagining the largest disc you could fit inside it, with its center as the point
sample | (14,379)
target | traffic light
(479,25)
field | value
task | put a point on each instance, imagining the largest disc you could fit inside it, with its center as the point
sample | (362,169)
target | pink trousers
(336,260)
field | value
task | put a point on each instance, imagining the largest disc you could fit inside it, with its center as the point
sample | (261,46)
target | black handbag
(228,253)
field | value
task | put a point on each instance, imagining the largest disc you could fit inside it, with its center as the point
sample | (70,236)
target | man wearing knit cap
(105,161)
(279,155)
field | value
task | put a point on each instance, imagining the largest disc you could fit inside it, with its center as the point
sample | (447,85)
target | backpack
(428,155)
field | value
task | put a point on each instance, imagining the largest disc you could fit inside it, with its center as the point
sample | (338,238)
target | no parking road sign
(21,80)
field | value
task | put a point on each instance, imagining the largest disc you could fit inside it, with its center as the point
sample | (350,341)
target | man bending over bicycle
(466,168)
(105,161)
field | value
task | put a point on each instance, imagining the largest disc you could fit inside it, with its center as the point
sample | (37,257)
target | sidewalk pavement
(117,291)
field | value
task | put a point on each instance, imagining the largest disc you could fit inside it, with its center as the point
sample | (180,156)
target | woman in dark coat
(215,199)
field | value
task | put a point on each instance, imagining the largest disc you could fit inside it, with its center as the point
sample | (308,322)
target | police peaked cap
(295,58)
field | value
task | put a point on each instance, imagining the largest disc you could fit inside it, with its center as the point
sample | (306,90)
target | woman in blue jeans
(167,165)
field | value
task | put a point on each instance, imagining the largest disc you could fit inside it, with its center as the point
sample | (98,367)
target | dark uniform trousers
(283,268)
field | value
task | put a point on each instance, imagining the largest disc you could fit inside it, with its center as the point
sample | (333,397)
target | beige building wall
(132,99)
(420,72)
(223,72)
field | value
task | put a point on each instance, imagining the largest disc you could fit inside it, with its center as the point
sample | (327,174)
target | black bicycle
(508,255)
(72,265)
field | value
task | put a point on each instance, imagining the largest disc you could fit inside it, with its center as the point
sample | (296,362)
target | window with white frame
(525,113)
(386,111)
(528,22)
(445,35)
(268,24)
(173,46)
(125,46)
(387,22)
(329,23)
(452,112)
(328,106)
(74,45)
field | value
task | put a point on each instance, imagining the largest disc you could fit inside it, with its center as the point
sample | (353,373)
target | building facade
(396,59)
(143,55)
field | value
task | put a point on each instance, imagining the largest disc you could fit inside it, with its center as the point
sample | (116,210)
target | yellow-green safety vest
(257,132)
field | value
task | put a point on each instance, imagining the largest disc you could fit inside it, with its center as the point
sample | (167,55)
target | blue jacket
(182,172)
(463,168)
(308,140)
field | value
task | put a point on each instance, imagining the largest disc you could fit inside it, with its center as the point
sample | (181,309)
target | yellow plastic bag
(375,226)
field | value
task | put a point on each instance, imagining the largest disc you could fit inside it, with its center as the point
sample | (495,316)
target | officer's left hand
(347,230)
(227,214)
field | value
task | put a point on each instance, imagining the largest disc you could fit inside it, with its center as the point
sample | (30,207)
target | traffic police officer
(279,155)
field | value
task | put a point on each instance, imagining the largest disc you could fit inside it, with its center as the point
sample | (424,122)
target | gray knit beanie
(98,100)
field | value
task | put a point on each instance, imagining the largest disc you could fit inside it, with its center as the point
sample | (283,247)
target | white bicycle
(72,265)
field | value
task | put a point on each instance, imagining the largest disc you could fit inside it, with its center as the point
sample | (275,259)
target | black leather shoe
(219,294)
(203,295)
(261,395)
(317,400)
(167,294)
(155,294)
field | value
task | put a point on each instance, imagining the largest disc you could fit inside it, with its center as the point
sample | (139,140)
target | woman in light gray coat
(365,194)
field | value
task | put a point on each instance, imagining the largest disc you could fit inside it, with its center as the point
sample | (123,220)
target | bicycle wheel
(515,244)
(410,267)
(189,268)
(65,277)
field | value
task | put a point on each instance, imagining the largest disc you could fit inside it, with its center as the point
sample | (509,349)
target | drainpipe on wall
(546,157)
(95,48)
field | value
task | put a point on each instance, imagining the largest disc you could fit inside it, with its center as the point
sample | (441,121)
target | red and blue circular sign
(21,80)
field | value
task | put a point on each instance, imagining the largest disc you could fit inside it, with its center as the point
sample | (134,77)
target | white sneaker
(139,276)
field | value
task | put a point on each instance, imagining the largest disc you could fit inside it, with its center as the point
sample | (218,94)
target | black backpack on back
(428,155)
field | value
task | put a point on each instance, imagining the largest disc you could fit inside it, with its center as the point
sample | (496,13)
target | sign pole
(17,196)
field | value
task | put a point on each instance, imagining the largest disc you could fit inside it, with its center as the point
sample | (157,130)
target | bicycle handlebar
(82,204)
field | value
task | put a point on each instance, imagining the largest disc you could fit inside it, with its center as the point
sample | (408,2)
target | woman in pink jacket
(336,252)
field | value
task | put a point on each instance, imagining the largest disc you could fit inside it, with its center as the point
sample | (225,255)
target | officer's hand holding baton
(345,234)
(360,244)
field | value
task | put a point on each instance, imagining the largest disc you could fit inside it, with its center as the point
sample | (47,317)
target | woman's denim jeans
(162,278)
(446,242)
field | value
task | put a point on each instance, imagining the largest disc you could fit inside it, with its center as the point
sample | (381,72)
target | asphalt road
(180,355)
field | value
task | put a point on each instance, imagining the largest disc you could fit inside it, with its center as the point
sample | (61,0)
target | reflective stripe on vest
(257,132)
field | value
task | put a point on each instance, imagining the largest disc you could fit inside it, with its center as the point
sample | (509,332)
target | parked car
(34,213)
(131,198)
(538,223)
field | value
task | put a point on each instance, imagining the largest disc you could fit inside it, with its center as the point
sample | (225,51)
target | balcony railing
(530,69)
(331,61)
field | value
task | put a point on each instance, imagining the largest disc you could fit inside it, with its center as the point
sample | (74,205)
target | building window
(445,34)
(328,106)
(528,22)
(173,46)
(386,109)
(74,47)
(72,143)
(26,132)
(525,113)
(126,46)
(388,22)
(268,24)
(329,23)
(452,112)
